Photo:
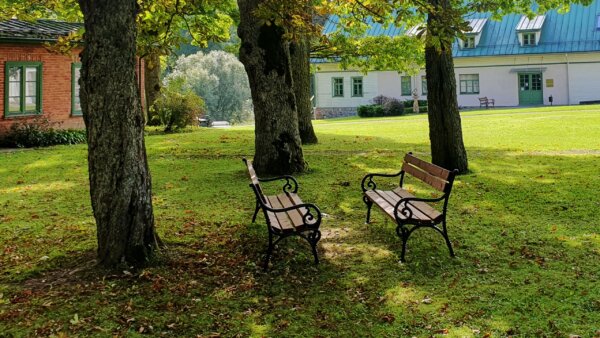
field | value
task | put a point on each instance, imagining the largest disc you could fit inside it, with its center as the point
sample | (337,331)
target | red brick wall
(56,83)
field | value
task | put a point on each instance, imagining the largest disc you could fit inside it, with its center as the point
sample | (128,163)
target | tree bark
(120,186)
(151,80)
(299,52)
(445,131)
(266,58)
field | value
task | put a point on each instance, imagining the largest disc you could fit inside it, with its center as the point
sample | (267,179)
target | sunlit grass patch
(523,223)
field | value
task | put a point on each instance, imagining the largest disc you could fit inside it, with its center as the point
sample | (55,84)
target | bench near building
(515,61)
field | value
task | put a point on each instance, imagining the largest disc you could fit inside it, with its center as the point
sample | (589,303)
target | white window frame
(424,85)
(529,39)
(469,42)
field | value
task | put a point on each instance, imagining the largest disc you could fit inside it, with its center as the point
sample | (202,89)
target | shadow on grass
(522,226)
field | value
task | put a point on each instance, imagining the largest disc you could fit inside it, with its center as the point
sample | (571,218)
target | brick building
(35,80)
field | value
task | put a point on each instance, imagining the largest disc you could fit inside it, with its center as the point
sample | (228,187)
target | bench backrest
(483,99)
(255,183)
(437,177)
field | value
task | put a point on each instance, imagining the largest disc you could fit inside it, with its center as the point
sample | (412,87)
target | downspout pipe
(568,81)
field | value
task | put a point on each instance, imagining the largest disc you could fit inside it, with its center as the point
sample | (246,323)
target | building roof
(41,30)
(572,32)
(476,25)
(526,24)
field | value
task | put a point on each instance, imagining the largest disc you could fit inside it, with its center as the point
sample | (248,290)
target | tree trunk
(299,52)
(120,185)
(266,58)
(445,131)
(151,80)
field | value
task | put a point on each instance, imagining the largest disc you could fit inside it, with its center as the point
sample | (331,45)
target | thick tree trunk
(120,185)
(266,58)
(299,53)
(151,80)
(445,131)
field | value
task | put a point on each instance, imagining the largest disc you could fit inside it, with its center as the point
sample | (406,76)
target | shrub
(39,132)
(176,108)
(393,107)
(380,100)
(422,103)
(371,110)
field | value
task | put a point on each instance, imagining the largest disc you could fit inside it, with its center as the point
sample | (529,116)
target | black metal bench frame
(311,215)
(404,210)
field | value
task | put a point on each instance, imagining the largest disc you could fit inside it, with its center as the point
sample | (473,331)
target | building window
(424,85)
(469,83)
(598,22)
(357,86)
(405,85)
(75,101)
(24,88)
(338,86)
(469,42)
(529,39)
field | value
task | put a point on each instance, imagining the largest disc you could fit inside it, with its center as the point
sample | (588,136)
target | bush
(371,110)
(176,108)
(39,132)
(393,107)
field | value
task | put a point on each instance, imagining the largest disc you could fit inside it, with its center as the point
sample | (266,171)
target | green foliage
(39,132)
(176,107)
(382,106)
(523,223)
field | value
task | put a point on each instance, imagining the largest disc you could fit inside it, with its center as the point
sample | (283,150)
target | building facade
(38,82)
(516,61)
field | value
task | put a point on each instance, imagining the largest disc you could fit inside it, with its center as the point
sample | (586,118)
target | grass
(524,224)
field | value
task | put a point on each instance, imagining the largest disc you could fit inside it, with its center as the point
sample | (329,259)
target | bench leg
(403,233)
(313,239)
(369,205)
(269,251)
(445,234)
(256,212)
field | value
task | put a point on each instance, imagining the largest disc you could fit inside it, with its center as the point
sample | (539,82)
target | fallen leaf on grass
(427,300)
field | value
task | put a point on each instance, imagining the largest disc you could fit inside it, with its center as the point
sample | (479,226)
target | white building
(515,61)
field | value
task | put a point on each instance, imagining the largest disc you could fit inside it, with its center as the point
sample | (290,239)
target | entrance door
(530,89)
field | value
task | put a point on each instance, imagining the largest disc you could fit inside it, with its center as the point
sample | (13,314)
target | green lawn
(524,224)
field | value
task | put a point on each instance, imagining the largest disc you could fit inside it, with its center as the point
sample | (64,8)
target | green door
(530,89)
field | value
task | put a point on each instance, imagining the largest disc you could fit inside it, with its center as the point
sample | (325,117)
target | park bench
(409,212)
(484,101)
(285,214)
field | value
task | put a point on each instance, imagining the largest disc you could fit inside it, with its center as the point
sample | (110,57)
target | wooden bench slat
(288,201)
(283,220)
(424,176)
(428,167)
(422,206)
(417,214)
(380,202)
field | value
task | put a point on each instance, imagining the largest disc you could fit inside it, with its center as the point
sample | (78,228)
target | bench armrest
(290,183)
(406,211)
(370,184)
(311,217)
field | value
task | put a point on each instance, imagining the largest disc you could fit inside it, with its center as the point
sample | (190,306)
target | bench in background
(484,101)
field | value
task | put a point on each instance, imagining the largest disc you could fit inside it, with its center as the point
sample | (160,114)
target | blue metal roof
(572,32)
(575,31)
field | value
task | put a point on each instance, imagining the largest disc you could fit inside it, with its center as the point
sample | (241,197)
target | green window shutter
(75,101)
(424,85)
(23,93)
(406,86)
